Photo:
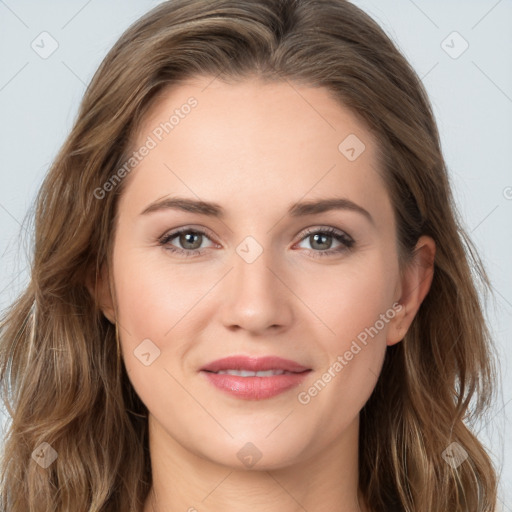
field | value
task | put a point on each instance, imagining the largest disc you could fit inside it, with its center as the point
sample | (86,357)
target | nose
(256,296)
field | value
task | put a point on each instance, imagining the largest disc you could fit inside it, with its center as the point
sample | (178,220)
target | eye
(189,239)
(321,240)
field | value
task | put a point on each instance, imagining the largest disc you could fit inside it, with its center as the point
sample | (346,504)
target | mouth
(254,364)
(248,373)
(252,378)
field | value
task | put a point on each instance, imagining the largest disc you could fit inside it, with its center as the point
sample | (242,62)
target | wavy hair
(61,380)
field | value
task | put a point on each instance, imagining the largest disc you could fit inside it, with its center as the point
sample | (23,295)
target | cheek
(339,389)
(156,302)
(355,306)
(156,306)
(350,298)
(152,294)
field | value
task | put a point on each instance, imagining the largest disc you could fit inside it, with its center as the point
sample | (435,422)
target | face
(259,273)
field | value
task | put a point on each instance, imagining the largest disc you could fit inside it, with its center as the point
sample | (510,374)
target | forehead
(242,141)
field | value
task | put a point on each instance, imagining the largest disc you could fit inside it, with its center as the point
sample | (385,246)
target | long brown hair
(61,379)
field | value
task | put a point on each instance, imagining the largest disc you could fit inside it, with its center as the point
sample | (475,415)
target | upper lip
(254,364)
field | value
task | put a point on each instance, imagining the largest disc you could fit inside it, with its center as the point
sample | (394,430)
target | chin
(255,453)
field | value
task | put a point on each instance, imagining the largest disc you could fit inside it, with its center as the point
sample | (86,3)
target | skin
(256,148)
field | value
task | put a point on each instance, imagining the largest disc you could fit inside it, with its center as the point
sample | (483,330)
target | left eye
(320,239)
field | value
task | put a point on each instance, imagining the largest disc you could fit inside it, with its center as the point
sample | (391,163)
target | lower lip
(255,388)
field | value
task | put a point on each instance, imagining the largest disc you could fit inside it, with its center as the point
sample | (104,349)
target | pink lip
(255,388)
(254,364)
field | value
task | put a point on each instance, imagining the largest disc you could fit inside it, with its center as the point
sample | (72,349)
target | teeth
(247,373)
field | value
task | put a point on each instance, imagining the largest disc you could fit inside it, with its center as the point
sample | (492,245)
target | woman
(250,287)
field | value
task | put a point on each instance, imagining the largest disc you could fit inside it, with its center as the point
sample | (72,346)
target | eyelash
(346,241)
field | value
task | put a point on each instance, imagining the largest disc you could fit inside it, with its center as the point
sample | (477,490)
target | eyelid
(198,229)
(325,229)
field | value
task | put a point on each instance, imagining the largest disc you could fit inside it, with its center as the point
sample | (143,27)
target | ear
(414,286)
(99,288)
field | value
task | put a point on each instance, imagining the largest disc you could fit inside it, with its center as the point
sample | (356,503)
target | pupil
(187,238)
(318,236)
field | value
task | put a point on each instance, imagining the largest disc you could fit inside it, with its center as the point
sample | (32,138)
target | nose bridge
(256,299)
(252,262)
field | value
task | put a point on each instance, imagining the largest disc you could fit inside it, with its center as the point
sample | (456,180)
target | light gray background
(471,96)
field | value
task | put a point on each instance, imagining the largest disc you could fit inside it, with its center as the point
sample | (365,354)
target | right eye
(189,239)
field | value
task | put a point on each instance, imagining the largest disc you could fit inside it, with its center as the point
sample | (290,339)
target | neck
(183,480)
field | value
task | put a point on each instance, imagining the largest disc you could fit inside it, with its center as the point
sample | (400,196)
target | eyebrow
(298,209)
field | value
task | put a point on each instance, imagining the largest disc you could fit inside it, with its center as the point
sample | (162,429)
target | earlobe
(99,288)
(415,285)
